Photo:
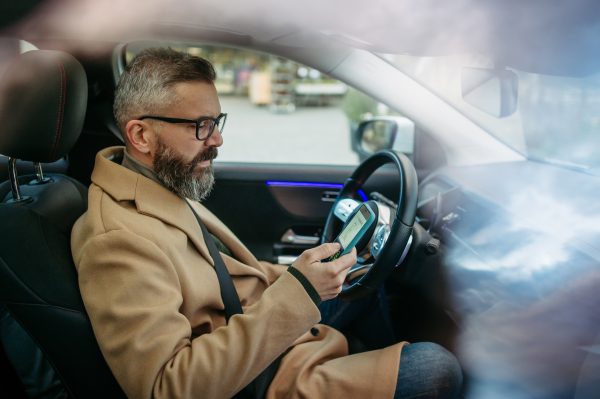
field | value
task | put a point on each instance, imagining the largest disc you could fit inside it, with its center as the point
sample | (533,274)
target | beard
(184,177)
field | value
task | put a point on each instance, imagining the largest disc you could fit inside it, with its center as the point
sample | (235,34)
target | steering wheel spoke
(344,208)
(356,271)
(381,236)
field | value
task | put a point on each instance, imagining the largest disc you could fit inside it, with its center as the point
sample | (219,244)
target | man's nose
(215,139)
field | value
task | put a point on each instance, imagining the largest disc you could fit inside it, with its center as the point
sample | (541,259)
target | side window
(280,111)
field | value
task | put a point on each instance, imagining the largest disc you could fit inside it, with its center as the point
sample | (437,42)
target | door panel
(305,201)
(260,213)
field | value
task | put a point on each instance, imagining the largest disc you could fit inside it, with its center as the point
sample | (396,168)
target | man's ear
(138,134)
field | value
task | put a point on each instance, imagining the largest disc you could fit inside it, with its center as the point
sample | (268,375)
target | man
(149,282)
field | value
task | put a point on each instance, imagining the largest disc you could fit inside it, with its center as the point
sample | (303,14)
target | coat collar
(156,201)
(150,198)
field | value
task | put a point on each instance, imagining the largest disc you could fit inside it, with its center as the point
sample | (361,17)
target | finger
(345,262)
(323,251)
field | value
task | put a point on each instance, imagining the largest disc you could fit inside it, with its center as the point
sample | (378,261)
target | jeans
(427,370)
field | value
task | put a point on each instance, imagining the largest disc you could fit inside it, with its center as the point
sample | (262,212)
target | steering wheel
(386,243)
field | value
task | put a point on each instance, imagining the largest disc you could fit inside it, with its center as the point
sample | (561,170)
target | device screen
(352,229)
(349,233)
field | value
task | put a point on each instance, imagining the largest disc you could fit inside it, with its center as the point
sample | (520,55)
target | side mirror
(493,91)
(384,133)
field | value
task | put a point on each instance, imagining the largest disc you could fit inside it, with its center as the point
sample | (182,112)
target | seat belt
(257,389)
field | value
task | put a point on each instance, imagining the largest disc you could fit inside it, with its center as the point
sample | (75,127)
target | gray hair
(147,84)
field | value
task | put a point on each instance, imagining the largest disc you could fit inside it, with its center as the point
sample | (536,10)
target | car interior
(485,244)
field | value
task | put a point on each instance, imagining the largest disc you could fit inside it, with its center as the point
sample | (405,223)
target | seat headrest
(43,98)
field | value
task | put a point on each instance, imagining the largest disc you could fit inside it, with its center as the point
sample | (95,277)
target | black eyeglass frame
(215,122)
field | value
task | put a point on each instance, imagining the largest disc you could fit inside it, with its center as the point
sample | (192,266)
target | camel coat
(152,295)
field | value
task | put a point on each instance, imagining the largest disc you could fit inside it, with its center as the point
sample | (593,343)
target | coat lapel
(216,227)
(154,200)
(151,199)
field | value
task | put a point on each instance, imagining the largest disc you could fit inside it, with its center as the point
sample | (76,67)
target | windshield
(557,120)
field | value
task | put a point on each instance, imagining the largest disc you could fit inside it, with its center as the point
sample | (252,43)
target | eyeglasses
(204,126)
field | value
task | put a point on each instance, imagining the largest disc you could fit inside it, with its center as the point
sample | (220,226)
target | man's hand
(327,278)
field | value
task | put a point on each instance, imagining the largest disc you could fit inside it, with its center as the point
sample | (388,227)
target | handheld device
(353,231)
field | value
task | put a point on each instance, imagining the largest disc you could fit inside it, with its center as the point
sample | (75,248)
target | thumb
(346,261)
(324,251)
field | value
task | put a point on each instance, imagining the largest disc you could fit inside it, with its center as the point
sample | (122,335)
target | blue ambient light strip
(307,184)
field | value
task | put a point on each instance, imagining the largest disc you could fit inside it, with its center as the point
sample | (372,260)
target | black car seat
(43,96)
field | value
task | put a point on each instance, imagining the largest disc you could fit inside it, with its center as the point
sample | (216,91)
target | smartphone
(353,231)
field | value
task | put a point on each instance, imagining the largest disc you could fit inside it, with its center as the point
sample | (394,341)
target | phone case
(364,228)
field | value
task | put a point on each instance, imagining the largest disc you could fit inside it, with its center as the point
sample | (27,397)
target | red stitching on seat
(62,117)
(61,106)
